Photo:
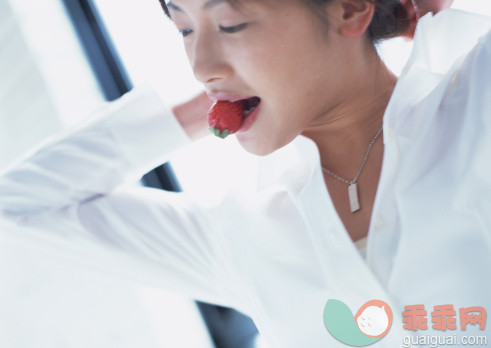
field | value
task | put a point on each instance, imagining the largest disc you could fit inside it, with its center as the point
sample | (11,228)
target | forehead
(205,5)
(173,5)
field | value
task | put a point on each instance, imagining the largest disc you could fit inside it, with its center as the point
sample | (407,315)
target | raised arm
(119,142)
(418,8)
(70,188)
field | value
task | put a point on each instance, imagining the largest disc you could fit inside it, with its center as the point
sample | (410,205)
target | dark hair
(390,18)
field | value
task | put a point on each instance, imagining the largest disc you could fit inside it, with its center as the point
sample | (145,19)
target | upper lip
(226,96)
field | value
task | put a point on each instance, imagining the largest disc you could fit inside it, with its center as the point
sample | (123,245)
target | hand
(418,8)
(192,115)
(434,6)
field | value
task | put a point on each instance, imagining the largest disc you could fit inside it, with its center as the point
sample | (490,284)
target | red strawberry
(225,117)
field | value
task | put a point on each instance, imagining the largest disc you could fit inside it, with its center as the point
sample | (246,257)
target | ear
(354,17)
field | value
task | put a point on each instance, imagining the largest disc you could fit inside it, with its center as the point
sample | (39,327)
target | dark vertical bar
(110,72)
(97,45)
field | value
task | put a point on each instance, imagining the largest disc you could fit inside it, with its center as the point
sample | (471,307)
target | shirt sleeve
(478,107)
(71,188)
(466,109)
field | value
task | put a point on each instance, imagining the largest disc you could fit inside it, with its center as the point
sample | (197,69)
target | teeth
(247,112)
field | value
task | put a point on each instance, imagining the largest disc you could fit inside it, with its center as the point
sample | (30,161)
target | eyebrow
(209,4)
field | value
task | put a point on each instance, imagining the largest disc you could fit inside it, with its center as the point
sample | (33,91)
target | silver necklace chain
(362,164)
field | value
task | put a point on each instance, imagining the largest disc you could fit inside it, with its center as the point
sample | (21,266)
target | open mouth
(249,105)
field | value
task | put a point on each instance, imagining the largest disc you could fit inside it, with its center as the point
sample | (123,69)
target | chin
(255,146)
(262,145)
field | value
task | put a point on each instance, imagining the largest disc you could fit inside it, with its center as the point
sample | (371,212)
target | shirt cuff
(145,128)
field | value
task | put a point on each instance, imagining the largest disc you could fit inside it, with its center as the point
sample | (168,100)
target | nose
(207,58)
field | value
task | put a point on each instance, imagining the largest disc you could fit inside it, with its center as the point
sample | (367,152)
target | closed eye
(235,28)
(228,30)
(185,32)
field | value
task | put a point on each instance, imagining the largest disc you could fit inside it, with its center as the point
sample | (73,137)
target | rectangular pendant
(353,197)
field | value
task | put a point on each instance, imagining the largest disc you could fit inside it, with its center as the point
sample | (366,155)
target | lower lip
(249,120)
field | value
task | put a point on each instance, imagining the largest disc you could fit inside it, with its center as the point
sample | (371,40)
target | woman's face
(273,49)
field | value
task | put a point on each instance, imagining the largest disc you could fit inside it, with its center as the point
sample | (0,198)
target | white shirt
(275,247)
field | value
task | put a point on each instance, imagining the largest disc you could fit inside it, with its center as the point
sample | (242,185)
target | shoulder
(449,69)
(467,92)
(441,111)
(441,40)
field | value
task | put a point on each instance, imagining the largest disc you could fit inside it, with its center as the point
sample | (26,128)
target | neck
(343,133)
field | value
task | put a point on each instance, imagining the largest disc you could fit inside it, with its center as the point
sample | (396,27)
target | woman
(331,115)
(341,118)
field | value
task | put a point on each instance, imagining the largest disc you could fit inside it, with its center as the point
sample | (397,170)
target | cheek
(277,54)
(289,73)
(254,63)
(295,67)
